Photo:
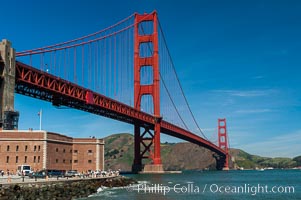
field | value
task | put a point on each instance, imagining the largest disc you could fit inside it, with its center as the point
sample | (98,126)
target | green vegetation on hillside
(298,160)
(248,161)
(119,154)
(119,151)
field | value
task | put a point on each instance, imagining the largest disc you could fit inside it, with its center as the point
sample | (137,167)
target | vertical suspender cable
(54,62)
(74,65)
(100,60)
(30,60)
(115,66)
(105,67)
(89,66)
(96,79)
(68,65)
(59,63)
(64,64)
(50,67)
(83,65)
(41,62)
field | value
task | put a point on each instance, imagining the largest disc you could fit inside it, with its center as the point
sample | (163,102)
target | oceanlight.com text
(191,188)
(251,189)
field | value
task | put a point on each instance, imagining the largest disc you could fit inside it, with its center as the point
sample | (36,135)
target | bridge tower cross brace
(147,144)
(223,141)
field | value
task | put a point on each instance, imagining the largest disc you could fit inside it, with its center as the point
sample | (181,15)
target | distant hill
(298,160)
(119,151)
(248,161)
(119,154)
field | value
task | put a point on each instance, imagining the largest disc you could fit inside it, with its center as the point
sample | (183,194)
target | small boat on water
(259,169)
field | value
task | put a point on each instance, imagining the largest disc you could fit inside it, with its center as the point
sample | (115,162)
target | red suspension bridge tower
(147,143)
(223,142)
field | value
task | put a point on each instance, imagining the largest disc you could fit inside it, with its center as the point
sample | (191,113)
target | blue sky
(235,59)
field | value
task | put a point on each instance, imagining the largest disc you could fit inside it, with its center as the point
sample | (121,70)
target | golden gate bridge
(124,72)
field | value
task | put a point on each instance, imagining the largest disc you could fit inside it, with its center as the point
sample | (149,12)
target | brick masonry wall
(85,154)
(21,148)
(62,152)
(59,156)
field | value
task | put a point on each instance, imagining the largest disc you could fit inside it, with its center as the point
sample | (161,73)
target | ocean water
(193,185)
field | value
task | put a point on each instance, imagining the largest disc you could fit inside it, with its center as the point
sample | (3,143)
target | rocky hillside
(119,151)
(119,154)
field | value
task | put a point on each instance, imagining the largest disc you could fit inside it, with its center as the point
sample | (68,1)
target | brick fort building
(46,150)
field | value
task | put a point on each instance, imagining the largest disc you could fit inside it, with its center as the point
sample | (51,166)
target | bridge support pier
(220,162)
(8,117)
(147,146)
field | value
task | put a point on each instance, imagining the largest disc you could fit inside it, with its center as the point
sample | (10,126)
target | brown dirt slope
(119,154)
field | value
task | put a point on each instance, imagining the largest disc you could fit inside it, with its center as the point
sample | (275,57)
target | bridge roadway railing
(42,85)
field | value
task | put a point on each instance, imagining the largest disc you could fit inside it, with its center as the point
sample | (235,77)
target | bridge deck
(38,84)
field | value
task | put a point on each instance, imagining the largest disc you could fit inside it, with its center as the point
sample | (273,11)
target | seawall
(61,189)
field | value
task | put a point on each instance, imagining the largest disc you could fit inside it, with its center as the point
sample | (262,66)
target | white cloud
(208,129)
(253,111)
(247,93)
(286,145)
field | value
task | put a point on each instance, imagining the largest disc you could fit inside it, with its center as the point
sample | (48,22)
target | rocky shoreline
(60,190)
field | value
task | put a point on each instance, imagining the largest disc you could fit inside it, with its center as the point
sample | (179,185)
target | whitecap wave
(104,193)
(143,182)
